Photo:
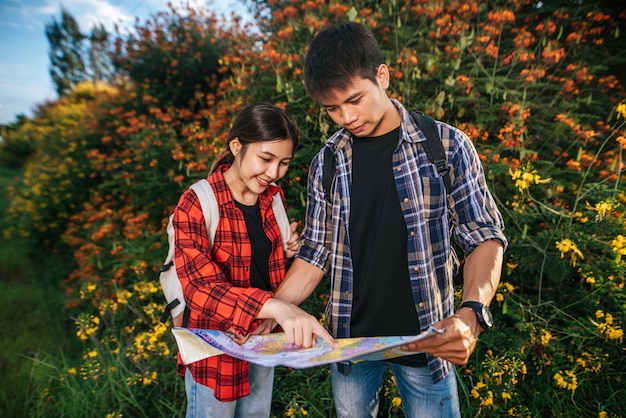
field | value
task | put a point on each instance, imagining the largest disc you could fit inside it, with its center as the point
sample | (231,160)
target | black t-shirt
(261,246)
(383,302)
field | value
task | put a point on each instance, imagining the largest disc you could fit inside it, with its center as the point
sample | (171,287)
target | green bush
(536,86)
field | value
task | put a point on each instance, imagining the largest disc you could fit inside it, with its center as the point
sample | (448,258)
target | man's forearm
(301,279)
(481,272)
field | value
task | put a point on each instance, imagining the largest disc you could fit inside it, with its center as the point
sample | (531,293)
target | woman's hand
(300,327)
(294,241)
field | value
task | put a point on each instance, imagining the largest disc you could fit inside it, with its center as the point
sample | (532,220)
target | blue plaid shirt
(469,211)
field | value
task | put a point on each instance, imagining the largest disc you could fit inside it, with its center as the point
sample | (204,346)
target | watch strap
(478,309)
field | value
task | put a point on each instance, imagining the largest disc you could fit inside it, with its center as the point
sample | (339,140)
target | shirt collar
(409,131)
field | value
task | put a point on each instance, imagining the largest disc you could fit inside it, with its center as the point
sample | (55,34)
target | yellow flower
(72,370)
(499,297)
(619,246)
(525,177)
(396,401)
(123,296)
(545,337)
(475,390)
(511,266)
(506,395)
(615,333)
(568,246)
(621,110)
(603,208)
(488,401)
(569,381)
(580,217)
(87,325)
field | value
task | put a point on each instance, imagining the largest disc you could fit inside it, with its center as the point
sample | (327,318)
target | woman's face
(256,166)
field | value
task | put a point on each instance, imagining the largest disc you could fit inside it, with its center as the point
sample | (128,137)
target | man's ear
(235,146)
(382,74)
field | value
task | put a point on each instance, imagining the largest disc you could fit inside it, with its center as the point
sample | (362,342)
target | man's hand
(294,241)
(458,341)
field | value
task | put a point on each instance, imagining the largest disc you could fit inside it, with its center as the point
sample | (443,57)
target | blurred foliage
(538,88)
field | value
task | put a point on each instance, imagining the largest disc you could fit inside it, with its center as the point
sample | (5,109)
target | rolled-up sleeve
(315,239)
(475,215)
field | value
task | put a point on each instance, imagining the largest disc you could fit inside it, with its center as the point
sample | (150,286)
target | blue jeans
(201,401)
(357,394)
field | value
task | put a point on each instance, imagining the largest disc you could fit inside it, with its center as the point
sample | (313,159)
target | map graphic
(272,350)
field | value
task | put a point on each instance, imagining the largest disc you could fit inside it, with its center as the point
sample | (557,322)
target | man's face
(363,107)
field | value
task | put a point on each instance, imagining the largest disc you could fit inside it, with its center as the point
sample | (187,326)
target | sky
(24,64)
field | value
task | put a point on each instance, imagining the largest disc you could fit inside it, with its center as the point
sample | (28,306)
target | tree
(98,54)
(173,58)
(67,64)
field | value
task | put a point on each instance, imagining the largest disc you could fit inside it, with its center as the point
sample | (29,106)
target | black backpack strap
(186,315)
(155,275)
(328,171)
(434,146)
(166,313)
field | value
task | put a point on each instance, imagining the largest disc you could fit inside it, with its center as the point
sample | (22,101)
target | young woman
(230,286)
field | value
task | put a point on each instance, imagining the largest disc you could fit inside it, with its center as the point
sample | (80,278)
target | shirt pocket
(223,258)
(434,192)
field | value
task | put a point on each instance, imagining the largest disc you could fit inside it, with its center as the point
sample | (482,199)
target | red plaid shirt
(216,283)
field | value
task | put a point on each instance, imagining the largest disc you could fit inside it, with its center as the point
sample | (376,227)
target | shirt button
(345,325)
(406,200)
(416,268)
(399,169)
(347,293)
(421,304)
(247,268)
(412,233)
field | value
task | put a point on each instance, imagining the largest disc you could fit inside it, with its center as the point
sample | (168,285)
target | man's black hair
(336,55)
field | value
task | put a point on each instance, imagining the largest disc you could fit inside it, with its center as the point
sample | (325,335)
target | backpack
(432,146)
(172,288)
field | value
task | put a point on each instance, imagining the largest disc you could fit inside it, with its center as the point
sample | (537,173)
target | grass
(32,318)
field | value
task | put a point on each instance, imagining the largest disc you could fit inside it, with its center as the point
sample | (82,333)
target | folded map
(272,350)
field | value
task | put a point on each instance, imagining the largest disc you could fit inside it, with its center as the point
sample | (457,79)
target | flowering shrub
(535,85)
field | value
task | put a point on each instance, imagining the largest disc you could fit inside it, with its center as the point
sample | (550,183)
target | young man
(384,236)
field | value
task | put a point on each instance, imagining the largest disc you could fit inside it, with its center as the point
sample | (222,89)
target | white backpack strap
(172,288)
(281,219)
(210,210)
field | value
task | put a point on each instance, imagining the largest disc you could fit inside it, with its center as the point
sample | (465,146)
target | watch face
(488,318)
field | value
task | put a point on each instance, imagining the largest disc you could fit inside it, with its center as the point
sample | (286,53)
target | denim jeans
(201,401)
(357,394)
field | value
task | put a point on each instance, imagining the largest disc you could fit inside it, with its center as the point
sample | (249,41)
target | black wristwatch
(483,314)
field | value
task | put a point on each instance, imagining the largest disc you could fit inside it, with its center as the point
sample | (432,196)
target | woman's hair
(336,55)
(259,122)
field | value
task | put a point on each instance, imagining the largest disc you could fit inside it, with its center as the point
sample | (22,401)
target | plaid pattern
(216,283)
(470,211)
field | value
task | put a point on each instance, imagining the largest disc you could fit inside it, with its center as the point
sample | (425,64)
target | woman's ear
(235,146)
